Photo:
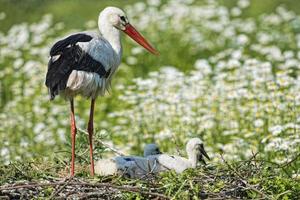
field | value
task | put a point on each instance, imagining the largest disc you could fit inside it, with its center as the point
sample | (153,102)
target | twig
(91,195)
(288,163)
(104,144)
(267,161)
(67,180)
(179,190)
(264,196)
(283,193)
(122,188)
(79,156)
(18,169)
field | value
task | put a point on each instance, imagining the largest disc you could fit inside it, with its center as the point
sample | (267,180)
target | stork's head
(118,19)
(151,149)
(195,147)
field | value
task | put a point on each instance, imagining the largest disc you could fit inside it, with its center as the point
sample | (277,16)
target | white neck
(111,34)
(193,158)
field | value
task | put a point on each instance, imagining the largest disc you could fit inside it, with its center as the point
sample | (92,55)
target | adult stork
(84,64)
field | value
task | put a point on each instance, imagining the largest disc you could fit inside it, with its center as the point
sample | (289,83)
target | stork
(140,167)
(118,164)
(84,64)
(195,152)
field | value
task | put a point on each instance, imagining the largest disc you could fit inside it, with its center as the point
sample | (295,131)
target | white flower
(18,63)
(153,2)
(137,50)
(203,66)
(258,123)
(242,39)
(275,130)
(236,11)
(131,60)
(38,128)
(264,38)
(243,3)
(296,176)
(4,152)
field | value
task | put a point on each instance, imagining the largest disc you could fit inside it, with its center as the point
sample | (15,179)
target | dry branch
(248,186)
(94,185)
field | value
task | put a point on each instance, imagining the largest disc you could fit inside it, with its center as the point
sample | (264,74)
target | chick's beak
(203,152)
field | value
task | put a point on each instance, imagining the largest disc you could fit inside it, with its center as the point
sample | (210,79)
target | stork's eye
(123,18)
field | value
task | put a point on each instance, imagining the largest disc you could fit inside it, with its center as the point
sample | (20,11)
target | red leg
(73,135)
(91,132)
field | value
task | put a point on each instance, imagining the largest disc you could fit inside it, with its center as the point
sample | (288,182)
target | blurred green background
(74,13)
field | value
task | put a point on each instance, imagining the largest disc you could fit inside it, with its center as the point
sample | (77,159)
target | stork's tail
(105,167)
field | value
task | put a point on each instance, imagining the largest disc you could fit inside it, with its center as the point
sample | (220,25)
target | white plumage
(195,152)
(119,164)
(87,84)
(105,48)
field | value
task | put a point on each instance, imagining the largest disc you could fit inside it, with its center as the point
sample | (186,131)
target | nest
(239,180)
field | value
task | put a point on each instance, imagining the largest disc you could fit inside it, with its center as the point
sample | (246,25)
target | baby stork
(163,162)
(119,164)
(84,64)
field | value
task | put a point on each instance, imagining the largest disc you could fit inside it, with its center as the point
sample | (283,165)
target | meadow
(228,72)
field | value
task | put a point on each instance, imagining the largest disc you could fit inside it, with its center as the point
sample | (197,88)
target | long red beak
(134,34)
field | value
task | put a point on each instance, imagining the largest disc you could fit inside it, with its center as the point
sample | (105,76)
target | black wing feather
(71,57)
(59,46)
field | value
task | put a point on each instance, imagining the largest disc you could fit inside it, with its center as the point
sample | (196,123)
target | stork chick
(164,162)
(119,164)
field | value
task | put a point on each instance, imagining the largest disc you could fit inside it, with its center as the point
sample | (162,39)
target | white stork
(119,164)
(140,167)
(84,64)
(195,152)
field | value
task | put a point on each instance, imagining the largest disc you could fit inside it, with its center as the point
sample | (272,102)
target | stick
(242,180)
(122,188)
(288,163)
(67,180)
